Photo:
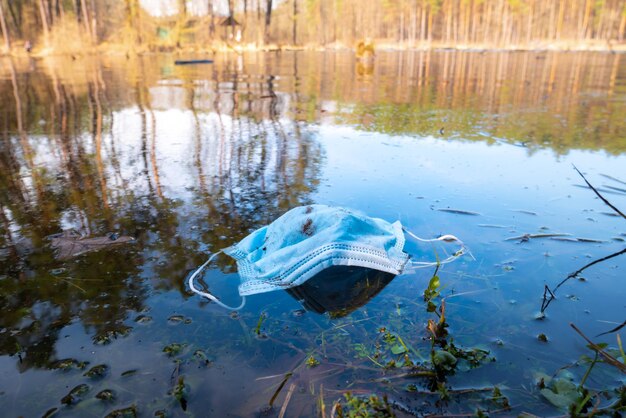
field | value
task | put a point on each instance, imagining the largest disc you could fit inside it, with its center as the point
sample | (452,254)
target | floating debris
(542,338)
(459,211)
(202,357)
(69,363)
(50,413)
(106,337)
(130,372)
(71,243)
(587,240)
(526,212)
(143,319)
(176,319)
(75,395)
(190,62)
(565,239)
(173,349)
(526,237)
(592,240)
(106,395)
(97,372)
(493,226)
(128,412)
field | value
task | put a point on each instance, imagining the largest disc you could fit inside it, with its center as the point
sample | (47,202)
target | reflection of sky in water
(212,168)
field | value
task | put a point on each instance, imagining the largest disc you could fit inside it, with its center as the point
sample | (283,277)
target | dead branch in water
(546,301)
(599,195)
(607,357)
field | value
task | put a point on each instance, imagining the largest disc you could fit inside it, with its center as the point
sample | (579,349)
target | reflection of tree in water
(38,294)
(250,165)
(64,163)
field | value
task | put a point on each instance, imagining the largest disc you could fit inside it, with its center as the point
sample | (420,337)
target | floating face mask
(309,239)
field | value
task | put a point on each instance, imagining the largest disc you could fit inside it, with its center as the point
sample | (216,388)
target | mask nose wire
(444,238)
(208,295)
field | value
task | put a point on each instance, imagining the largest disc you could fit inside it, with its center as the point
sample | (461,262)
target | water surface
(189,160)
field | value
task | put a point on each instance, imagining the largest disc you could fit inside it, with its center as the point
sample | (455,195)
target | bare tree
(5,30)
(294,33)
(44,22)
(268,20)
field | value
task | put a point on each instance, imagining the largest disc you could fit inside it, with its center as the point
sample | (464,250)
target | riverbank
(126,49)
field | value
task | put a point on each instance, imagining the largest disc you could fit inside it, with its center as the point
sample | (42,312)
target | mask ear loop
(444,238)
(208,295)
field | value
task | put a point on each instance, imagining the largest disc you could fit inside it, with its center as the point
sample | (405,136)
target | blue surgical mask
(309,239)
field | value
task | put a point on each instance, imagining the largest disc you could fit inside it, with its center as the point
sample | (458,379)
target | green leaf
(398,349)
(562,401)
(562,393)
(443,358)
(434,283)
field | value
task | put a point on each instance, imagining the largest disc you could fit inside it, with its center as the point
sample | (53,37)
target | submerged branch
(617,328)
(546,301)
(580,270)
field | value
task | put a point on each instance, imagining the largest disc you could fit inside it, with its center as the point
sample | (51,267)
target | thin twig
(322,404)
(287,399)
(607,357)
(617,328)
(598,194)
(580,270)
(546,302)
(280,387)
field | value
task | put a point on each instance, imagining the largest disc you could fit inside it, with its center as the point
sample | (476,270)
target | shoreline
(122,49)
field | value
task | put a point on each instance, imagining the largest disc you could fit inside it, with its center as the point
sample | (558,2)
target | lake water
(190,159)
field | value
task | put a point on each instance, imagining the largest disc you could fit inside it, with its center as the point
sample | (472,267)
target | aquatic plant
(360,407)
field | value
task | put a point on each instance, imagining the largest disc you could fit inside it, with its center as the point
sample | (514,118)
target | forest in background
(75,26)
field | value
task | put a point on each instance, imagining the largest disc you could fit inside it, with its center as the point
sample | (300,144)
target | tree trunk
(49,14)
(244,20)
(180,21)
(231,18)
(430,24)
(94,22)
(5,30)
(268,20)
(77,10)
(212,14)
(294,31)
(559,23)
(58,9)
(622,26)
(529,27)
(44,22)
(83,7)
(17,19)
(134,20)
(423,23)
